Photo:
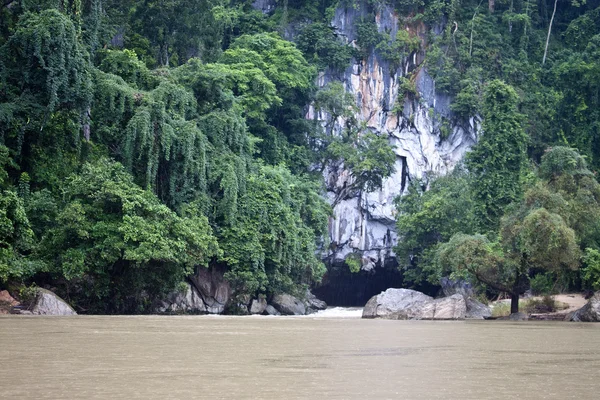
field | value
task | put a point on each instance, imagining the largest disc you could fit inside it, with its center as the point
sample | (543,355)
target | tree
(426,218)
(272,248)
(119,244)
(497,161)
(16,236)
(566,173)
(528,239)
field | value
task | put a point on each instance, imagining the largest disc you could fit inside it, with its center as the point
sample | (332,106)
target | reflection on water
(295,358)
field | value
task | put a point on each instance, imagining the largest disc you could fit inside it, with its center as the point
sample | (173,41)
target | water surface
(196,357)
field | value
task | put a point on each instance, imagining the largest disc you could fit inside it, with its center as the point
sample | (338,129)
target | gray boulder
(187,300)
(270,310)
(258,306)
(312,303)
(396,304)
(453,307)
(287,304)
(477,310)
(47,303)
(590,312)
(212,287)
(410,304)
(518,316)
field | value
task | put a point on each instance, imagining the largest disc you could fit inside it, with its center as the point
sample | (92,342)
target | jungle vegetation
(143,139)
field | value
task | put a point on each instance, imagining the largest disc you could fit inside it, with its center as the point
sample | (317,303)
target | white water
(339,312)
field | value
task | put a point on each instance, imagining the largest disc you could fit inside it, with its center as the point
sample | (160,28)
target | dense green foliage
(541,235)
(141,139)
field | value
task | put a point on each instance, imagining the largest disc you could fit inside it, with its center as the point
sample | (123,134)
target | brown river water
(203,357)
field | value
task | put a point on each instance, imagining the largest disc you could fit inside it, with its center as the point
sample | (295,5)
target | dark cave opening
(343,288)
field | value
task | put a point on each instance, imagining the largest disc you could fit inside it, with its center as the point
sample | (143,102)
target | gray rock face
(287,304)
(185,301)
(208,292)
(365,222)
(265,6)
(258,306)
(212,288)
(590,312)
(396,304)
(410,304)
(313,304)
(477,310)
(47,303)
(453,307)
(270,310)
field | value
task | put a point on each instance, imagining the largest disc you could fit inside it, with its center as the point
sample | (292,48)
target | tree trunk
(511,12)
(549,30)
(514,303)
(491,5)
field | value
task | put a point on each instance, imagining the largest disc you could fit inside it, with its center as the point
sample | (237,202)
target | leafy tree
(591,272)
(16,235)
(44,69)
(179,29)
(528,239)
(427,218)
(322,47)
(497,161)
(272,247)
(121,246)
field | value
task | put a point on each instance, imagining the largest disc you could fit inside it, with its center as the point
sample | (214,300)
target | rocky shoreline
(395,304)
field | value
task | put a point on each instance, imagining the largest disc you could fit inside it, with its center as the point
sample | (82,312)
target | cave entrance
(343,288)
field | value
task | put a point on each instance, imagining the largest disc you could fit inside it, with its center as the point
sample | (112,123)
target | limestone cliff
(364,223)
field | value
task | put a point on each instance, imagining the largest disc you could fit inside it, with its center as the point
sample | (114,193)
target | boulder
(7,302)
(187,300)
(270,310)
(258,306)
(287,304)
(590,312)
(47,303)
(518,316)
(396,304)
(213,289)
(312,303)
(477,310)
(453,307)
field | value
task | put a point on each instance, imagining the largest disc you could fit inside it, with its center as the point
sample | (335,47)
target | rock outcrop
(475,308)
(212,287)
(410,304)
(207,293)
(313,304)
(590,312)
(270,310)
(7,302)
(47,303)
(453,307)
(186,300)
(258,306)
(396,304)
(428,138)
(287,304)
